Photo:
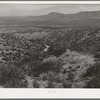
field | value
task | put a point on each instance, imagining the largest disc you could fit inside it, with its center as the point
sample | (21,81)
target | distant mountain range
(87,18)
(86,14)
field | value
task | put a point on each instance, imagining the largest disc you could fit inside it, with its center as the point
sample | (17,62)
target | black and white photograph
(49,45)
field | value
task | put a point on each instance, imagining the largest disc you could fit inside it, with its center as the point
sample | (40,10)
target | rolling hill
(80,19)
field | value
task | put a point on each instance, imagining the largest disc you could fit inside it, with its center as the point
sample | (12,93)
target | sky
(42,9)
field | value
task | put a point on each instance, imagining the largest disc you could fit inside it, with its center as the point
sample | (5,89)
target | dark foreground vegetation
(50,58)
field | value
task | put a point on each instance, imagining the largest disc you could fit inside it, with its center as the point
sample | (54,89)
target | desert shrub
(35,84)
(97,55)
(94,70)
(32,68)
(15,83)
(67,84)
(94,82)
(57,50)
(47,66)
(51,76)
(94,74)
(56,79)
(66,79)
(50,85)
(10,75)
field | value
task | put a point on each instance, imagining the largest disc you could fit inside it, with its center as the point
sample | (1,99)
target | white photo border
(6,93)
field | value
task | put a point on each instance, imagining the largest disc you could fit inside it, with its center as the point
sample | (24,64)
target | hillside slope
(70,20)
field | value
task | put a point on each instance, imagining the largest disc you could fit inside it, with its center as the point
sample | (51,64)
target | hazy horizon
(42,9)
